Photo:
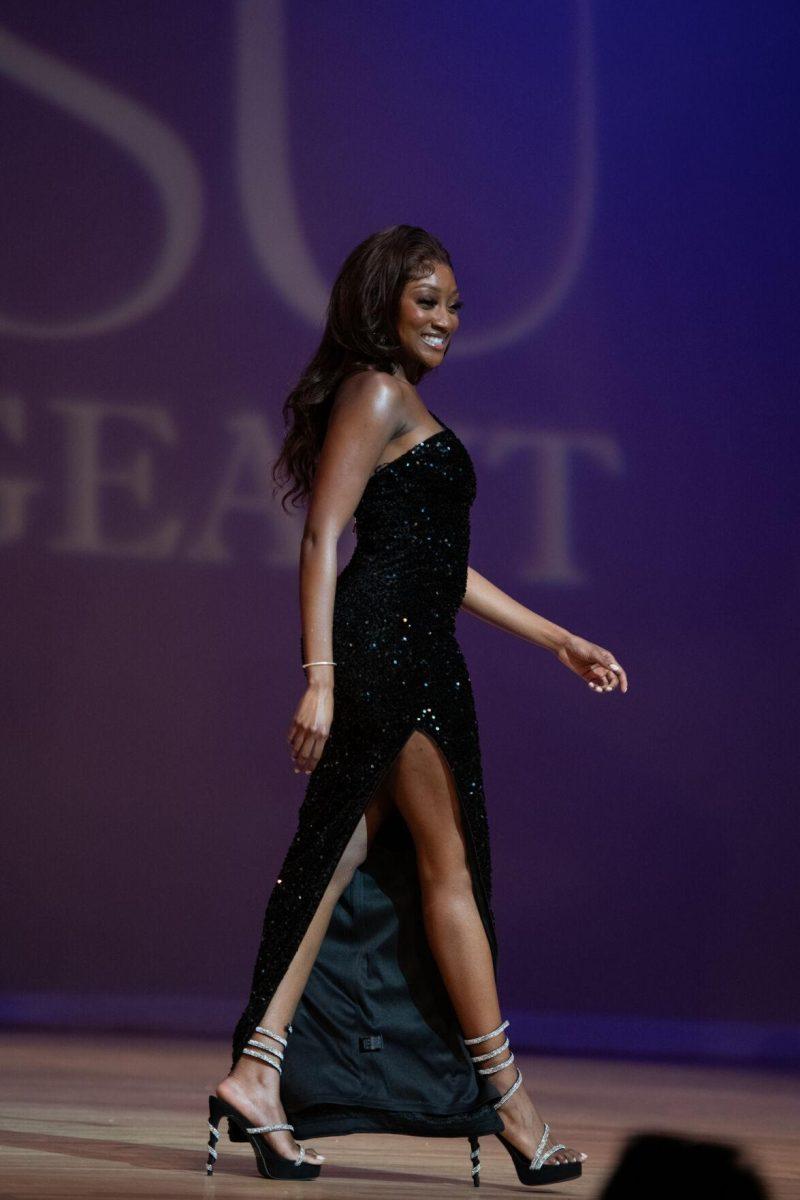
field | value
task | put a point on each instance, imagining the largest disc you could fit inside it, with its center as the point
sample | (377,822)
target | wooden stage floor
(120,1117)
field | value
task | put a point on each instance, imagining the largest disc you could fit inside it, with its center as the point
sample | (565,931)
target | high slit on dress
(376,1045)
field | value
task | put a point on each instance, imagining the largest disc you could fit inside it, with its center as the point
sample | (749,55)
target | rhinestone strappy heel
(270,1164)
(533,1172)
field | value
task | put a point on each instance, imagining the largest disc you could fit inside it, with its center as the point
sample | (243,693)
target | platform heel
(271,1165)
(533,1172)
(475,1157)
(212,1140)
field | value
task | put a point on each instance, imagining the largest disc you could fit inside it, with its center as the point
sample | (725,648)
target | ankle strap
(510,1091)
(267,1053)
(477,1058)
(484,1037)
(283,1041)
(498,1066)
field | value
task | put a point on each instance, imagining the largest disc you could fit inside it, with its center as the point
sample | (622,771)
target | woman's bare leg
(425,794)
(252,1086)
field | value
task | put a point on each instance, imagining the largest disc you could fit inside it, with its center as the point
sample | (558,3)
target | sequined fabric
(399,668)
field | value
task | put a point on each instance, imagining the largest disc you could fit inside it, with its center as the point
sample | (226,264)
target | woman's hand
(310,726)
(597,666)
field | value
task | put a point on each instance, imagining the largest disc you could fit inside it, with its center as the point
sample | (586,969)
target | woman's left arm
(595,665)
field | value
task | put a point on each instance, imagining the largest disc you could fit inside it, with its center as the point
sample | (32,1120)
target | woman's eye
(428,303)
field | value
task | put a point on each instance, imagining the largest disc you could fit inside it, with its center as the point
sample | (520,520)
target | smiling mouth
(430,339)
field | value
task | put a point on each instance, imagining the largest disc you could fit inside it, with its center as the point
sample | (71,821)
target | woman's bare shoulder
(371,396)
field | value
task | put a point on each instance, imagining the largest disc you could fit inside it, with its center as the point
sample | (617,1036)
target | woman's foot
(523,1125)
(255,1091)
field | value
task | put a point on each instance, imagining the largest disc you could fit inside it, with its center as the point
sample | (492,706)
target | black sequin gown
(376,1045)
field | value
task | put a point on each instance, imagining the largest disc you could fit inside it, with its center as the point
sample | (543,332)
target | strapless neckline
(412,449)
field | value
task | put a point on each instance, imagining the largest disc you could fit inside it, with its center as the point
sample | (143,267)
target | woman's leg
(424,792)
(252,1086)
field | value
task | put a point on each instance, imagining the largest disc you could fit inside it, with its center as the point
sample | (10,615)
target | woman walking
(373,1004)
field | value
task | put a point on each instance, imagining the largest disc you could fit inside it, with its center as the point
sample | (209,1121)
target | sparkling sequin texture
(399,669)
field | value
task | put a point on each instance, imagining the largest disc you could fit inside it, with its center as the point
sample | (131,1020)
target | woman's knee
(353,855)
(427,798)
(445,874)
(356,851)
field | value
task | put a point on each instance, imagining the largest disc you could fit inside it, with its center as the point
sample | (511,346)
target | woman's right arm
(367,413)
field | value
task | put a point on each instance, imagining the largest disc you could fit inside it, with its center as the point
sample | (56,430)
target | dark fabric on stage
(376,1045)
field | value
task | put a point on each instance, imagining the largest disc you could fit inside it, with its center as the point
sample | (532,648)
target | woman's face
(427,319)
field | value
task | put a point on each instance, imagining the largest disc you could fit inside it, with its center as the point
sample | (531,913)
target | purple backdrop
(181,184)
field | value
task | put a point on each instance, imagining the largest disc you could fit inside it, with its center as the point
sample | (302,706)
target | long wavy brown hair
(360,334)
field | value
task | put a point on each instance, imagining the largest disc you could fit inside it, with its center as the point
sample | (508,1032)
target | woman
(373,1004)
